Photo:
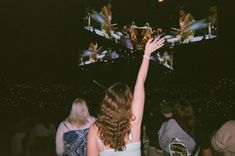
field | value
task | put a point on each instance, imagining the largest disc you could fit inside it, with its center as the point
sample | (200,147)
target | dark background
(41,41)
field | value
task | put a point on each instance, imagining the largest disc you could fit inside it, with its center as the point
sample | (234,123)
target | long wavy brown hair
(113,122)
(185,116)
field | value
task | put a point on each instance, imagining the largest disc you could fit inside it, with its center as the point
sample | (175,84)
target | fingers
(159,43)
(156,39)
(154,44)
(160,40)
(159,46)
(149,41)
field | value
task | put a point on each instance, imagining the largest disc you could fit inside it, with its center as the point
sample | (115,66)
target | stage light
(160,0)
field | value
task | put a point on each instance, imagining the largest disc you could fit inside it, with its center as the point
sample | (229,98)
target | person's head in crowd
(115,110)
(79,113)
(108,5)
(212,14)
(125,28)
(166,108)
(133,23)
(185,116)
(42,117)
(213,8)
(183,11)
(147,24)
(93,46)
(159,31)
(224,139)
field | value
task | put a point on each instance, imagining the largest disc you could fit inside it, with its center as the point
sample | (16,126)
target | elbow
(207,152)
(59,150)
(59,154)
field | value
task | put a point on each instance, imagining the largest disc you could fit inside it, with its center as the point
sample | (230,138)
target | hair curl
(113,121)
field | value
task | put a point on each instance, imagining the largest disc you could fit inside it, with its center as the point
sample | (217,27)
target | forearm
(143,70)
(139,93)
(186,21)
(106,16)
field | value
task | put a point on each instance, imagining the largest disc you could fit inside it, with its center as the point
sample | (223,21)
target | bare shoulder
(62,125)
(227,126)
(93,132)
(91,120)
(93,129)
(190,16)
(92,148)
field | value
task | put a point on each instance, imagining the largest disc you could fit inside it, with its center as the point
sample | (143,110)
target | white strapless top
(132,149)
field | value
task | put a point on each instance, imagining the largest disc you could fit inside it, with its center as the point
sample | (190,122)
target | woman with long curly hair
(118,126)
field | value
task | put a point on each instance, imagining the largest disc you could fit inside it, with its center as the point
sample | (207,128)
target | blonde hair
(79,113)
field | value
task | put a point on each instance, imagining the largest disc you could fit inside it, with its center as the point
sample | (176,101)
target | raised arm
(139,93)
(187,20)
(106,15)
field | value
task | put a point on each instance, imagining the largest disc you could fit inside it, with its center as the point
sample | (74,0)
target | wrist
(146,56)
(147,53)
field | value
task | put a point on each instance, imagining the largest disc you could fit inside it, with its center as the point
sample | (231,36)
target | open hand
(153,45)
